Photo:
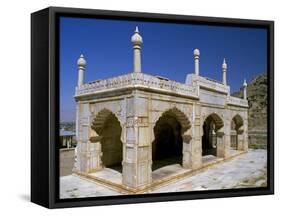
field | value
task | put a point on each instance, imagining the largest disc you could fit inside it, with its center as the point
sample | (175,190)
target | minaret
(81,62)
(224,68)
(196,54)
(136,40)
(245,90)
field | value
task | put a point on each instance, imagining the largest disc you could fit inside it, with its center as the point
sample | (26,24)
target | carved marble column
(95,153)
(220,143)
(245,143)
(82,136)
(227,136)
(240,139)
(137,151)
(246,139)
(196,141)
(88,150)
(186,151)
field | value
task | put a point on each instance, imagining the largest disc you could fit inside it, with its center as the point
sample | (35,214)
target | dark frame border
(46,192)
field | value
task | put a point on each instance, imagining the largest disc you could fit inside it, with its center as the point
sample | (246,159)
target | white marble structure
(121,119)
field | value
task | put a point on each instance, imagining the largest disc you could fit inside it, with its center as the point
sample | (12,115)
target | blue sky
(167,51)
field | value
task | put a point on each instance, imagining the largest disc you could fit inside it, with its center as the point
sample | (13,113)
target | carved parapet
(136,80)
(207,83)
(237,101)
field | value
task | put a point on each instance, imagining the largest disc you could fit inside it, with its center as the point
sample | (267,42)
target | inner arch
(168,142)
(236,124)
(109,129)
(211,126)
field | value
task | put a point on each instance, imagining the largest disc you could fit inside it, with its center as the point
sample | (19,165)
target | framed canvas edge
(39,166)
(128,199)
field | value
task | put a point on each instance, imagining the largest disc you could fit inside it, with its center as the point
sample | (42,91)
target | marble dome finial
(196,52)
(224,65)
(137,29)
(81,62)
(136,39)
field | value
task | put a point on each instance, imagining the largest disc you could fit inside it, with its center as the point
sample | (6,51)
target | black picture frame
(45,112)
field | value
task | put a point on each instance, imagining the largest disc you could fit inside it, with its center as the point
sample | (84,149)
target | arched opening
(109,130)
(167,146)
(209,139)
(168,143)
(236,131)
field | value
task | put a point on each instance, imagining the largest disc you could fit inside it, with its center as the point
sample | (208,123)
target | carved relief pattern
(137,79)
(137,121)
(237,101)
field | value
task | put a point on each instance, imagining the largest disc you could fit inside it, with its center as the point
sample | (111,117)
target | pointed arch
(109,131)
(179,115)
(237,130)
(167,146)
(212,129)
(218,121)
(101,118)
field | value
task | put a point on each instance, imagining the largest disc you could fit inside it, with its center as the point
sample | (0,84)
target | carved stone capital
(186,138)
(95,139)
(240,131)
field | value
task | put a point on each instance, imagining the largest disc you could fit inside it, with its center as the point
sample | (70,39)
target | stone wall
(66,161)
(258,139)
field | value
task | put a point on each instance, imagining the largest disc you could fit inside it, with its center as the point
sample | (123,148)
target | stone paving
(247,170)
(75,187)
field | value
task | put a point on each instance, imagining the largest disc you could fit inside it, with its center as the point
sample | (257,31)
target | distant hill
(257,119)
